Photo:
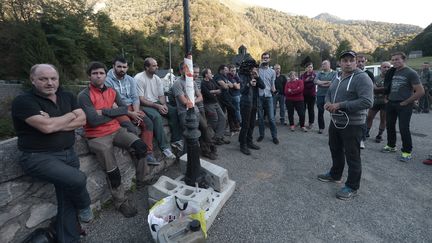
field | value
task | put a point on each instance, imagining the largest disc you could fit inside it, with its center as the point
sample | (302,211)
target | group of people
(119,110)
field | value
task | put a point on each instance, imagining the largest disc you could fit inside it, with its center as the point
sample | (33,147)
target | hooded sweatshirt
(355,95)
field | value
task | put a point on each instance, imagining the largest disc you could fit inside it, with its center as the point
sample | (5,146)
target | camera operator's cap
(348,53)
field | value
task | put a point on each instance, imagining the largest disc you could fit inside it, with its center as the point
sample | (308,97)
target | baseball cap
(348,53)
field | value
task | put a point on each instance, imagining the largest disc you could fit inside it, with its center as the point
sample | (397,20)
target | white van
(375,69)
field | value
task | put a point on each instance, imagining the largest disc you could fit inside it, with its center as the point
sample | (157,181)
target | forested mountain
(423,41)
(70,33)
(227,23)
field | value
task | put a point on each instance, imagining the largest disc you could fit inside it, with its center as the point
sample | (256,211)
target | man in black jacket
(250,83)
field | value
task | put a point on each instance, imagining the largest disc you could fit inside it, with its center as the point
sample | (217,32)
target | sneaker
(310,126)
(178,145)
(253,146)
(151,160)
(362,144)
(388,149)
(292,128)
(128,209)
(304,129)
(275,141)
(225,141)
(320,131)
(168,153)
(260,138)
(327,178)
(85,215)
(367,135)
(346,193)
(405,157)
(378,138)
(245,150)
(427,162)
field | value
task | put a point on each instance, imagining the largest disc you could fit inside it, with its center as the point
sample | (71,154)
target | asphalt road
(279,199)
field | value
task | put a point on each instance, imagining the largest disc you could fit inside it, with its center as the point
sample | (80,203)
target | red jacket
(294,90)
(101,99)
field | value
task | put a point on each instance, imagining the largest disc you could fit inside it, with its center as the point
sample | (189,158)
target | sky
(416,12)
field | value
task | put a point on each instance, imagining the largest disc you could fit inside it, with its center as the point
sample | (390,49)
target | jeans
(424,102)
(345,144)
(158,130)
(310,107)
(279,98)
(299,107)
(248,123)
(215,118)
(61,169)
(236,104)
(265,104)
(403,113)
(320,101)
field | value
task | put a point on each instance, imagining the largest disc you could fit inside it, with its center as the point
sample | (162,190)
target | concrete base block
(166,186)
(211,201)
(217,177)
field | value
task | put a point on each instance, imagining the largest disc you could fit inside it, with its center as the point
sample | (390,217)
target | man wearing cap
(348,98)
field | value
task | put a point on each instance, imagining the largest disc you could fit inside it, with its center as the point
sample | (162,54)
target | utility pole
(193,174)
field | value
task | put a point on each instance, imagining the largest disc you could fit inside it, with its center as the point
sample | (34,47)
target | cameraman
(250,83)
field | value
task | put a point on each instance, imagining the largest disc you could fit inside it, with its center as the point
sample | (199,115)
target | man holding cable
(348,98)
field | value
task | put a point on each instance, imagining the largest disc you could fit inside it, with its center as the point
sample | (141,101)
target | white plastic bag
(172,208)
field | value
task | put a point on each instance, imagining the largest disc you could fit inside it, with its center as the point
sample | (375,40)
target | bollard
(192,134)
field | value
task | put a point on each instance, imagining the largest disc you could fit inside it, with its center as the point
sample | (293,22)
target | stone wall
(26,204)
(9,91)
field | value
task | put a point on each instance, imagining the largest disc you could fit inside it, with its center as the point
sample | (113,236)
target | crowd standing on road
(121,110)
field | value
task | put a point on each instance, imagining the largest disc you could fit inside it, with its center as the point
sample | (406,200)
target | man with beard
(125,85)
(265,100)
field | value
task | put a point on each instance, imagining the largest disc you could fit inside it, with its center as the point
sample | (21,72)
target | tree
(343,46)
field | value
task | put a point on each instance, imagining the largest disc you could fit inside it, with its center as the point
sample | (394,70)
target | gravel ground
(279,199)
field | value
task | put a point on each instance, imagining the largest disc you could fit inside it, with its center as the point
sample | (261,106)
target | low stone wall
(26,203)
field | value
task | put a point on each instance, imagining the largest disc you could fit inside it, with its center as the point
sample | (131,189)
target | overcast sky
(414,12)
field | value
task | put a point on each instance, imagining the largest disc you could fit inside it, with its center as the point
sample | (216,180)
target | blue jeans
(61,169)
(236,104)
(265,104)
(280,98)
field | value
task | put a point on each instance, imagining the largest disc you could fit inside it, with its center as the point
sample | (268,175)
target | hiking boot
(327,178)
(260,138)
(253,146)
(208,155)
(346,193)
(378,138)
(85,215)
(168,153)
(245,150)
(151,160)
(388,149)
(405,157)
(275,141)
(362,144)
(128,209)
